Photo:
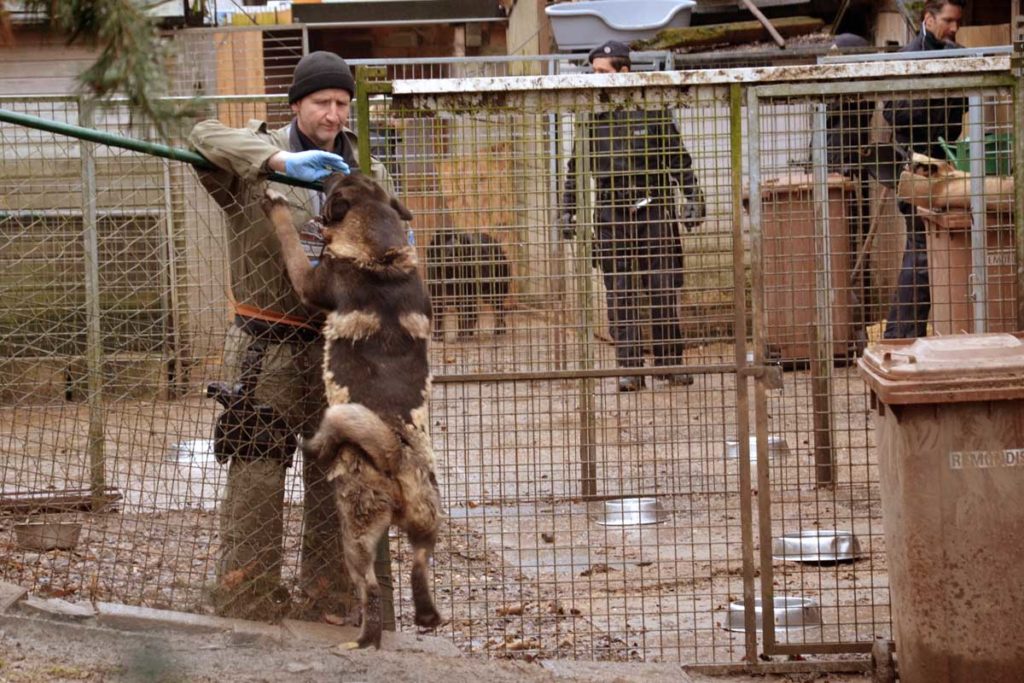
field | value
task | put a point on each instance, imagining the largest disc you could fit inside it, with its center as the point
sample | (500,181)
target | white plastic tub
(585,25)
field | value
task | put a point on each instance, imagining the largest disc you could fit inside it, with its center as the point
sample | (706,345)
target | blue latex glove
(314,165)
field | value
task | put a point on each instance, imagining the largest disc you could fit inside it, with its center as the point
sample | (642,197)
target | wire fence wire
(583,520)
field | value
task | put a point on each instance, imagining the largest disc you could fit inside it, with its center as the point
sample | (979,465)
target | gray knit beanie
(319,71)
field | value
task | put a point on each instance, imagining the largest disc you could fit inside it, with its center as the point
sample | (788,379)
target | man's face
(603,65)
(944,24)
(321,115)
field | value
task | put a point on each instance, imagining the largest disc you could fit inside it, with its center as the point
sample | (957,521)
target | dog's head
(363,224)
(344,192)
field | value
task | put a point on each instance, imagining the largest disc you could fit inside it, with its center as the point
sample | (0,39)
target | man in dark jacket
(637,158)
(917,126)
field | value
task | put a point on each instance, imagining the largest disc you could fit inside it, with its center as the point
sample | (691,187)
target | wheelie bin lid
(953,369)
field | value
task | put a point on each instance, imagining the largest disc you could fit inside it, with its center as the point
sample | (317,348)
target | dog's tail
(354,423)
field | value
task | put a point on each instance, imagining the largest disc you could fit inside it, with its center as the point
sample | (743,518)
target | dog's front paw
(273,199)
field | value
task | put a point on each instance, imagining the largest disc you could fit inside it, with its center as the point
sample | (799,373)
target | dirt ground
(43,651)
(526,568)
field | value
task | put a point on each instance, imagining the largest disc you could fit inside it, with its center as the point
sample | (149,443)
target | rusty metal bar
(842,666)
(603,373)
(821,648)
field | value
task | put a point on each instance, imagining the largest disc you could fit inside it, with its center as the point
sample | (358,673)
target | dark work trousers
(908,316)
(640,257)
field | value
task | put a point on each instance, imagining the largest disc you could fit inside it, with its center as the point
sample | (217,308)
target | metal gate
(827,237)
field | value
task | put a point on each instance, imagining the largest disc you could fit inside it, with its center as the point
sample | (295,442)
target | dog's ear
(331,183)
(403,212)
(336,207)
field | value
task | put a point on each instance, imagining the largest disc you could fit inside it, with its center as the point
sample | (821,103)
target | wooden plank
(891,29)
(984,36)
(735,33)
(28,502)
(239,59)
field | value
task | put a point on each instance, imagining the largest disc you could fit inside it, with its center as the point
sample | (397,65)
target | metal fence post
(584,276)
(821,335)
(1017,69)
(369,81)
(742,393)
(93,338)
(979,234)
(760,317)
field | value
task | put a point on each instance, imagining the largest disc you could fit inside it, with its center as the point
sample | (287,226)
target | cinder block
(10,595)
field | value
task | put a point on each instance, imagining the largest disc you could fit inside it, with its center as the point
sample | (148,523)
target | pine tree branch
(132,58)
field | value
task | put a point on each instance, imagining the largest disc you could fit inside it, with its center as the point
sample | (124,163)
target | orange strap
(270,316)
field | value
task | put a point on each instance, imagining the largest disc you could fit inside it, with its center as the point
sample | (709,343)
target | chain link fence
(618,481)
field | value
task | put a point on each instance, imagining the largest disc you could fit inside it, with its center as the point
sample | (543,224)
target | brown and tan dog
(375,429)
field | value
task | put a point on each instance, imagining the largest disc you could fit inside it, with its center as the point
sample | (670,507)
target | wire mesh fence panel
(859,191)
(104,324)
(581,433)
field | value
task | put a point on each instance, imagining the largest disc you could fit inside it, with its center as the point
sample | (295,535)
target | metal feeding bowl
(790,614)
(631,512)
(777,446)
(816,545)
(192,451)
(43,536)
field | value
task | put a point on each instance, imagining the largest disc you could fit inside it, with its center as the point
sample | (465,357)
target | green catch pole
(151,148)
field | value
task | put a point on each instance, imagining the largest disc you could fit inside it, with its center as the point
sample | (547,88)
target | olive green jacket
(258,278)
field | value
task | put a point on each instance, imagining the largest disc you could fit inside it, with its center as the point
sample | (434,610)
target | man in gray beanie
(274,348)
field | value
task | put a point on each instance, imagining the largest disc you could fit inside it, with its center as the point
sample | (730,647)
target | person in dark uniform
(637,159)
(917,126)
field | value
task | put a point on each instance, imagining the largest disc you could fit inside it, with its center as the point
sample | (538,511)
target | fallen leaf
(233,579)
(511,610)
(597,569)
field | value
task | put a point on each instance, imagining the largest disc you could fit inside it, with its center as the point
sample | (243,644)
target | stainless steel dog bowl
(790,614)
(816,545)
(192,450)
(43,536)
(777,446)
(631,512)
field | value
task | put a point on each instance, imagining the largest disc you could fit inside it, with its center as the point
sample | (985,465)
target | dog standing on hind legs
(375,430)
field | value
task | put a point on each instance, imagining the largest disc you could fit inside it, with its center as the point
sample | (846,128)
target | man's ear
(403,212)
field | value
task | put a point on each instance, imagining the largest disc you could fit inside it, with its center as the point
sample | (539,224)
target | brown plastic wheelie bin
(949,426)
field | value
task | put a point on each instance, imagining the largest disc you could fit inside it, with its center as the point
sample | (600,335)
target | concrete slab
(10,595)
(130,618)
(619,672)
(55,608)
(329,635)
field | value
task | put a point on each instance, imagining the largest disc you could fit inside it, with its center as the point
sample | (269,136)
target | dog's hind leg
(359,553)
(361,536)
(423,543)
